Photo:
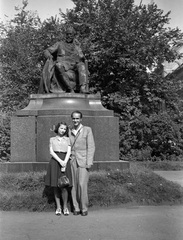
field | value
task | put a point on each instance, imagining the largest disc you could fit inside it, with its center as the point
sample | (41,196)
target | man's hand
(88,166)
(50,57)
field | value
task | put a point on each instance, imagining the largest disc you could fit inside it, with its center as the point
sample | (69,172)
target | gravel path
(122,223)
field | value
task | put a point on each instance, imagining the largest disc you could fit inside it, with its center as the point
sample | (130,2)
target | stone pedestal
(31,130)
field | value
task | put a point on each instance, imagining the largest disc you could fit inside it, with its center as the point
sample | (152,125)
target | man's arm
(90,148)
(79,50)
(49,51)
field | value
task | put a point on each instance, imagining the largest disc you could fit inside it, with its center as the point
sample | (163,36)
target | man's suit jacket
(84,147)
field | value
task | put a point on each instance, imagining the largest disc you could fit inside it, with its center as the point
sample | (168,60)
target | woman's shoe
(58,212)
(66,212)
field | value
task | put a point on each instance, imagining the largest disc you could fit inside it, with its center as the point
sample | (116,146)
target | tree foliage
(24,39)
(124,44)
(121,41)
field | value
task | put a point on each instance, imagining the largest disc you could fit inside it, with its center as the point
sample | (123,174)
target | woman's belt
(59,152)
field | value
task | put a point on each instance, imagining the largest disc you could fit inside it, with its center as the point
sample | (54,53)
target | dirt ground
(122,223)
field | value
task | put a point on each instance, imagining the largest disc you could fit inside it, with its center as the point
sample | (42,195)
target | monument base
(13,167)
(31,129)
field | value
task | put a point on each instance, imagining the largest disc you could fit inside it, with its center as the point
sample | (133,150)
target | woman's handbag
(63,181)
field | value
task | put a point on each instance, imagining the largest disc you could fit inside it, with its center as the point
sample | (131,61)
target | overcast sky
(47,8)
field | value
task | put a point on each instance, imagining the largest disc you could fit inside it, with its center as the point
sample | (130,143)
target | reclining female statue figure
(66,67)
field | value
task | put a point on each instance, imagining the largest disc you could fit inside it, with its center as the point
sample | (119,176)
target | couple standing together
(72,154)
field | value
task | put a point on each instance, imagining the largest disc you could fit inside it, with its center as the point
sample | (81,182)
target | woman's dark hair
(80,113)
(57,127)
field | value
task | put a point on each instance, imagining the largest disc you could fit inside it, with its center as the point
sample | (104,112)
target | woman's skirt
(54,171)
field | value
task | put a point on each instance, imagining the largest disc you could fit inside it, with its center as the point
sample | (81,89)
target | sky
(48,8)
(45,8)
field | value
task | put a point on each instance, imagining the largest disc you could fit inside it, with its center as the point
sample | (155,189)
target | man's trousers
(80,177)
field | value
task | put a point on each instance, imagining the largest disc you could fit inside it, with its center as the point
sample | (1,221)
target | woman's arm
(67,156)
(54,155)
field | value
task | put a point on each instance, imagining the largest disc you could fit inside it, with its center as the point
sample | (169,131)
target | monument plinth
(64,104)
(31,130)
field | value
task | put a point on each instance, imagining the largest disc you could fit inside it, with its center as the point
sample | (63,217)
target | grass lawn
(162,165)
(139,186)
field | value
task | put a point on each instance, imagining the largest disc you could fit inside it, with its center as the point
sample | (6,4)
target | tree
(124,43)
(24,39)
(123,40)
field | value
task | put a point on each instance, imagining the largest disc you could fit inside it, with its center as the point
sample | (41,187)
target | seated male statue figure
(65,68)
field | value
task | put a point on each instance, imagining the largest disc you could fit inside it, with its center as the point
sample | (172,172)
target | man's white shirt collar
(75,131)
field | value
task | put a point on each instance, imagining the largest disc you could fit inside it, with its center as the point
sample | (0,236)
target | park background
(127,46)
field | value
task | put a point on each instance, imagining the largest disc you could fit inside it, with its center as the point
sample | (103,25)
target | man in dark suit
(82,153)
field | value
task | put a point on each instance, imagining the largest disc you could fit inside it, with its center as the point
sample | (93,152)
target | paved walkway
(174,176)
(124,223)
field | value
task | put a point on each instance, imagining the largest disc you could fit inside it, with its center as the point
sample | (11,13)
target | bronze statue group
(65,69)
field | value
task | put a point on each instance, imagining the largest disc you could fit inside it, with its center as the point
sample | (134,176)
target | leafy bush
(156,136)
(5,139)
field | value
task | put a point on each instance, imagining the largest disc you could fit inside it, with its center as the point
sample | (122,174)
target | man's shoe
(76,213)
(84,213)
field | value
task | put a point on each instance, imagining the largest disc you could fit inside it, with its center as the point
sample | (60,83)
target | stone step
(42,166)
